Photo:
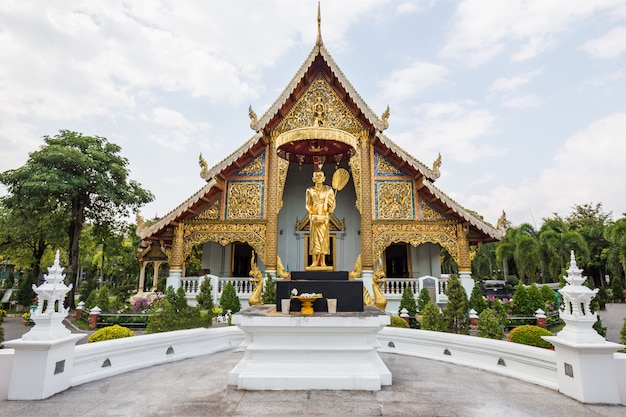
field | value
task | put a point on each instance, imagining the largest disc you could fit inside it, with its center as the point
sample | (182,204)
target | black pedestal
(349,294)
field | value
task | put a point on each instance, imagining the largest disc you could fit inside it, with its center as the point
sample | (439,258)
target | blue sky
(525,100)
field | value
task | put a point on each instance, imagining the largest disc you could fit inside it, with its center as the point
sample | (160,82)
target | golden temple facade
(253,201)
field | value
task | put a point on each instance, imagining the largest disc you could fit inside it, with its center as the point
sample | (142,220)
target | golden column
(465,260)
(271,188)
(367,251)
(175,258)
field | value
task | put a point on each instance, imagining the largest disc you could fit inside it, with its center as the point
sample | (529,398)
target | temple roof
(251,147)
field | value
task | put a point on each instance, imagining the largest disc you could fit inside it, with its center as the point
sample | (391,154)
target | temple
(389,215)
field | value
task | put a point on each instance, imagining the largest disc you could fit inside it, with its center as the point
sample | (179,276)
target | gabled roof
(285,99)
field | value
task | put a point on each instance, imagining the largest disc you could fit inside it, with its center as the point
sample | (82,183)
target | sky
(524,100)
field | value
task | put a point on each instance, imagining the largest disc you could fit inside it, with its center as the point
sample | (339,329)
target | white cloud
(611,45)
(525,28)
(405,83)
(523,101)
(584,170)
(457,130)
(511,84)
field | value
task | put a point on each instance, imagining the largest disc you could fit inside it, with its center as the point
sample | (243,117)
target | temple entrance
(240,259)
(397,260)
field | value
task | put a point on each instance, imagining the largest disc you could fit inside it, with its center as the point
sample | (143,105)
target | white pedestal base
(41,368)
(322,351)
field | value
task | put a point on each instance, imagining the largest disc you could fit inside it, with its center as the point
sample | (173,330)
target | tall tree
(616,253)
(86,178)
(590,221)
(561,240)
(520,244)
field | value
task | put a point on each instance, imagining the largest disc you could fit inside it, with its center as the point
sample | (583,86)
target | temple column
(464,262)
(176,258)
(367,251)
(271,188)
(142,276)
(155,279)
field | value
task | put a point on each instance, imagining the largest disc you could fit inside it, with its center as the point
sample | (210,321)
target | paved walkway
(421,387)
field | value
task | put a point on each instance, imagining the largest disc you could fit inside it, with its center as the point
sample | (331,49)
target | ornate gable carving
(255,168)
(306,112)
(211,213)
(244,200)
(384,168)
(428,214)
(394,200)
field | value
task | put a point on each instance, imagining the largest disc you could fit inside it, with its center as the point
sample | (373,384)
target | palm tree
(559,240)
(616,235)
(521,245)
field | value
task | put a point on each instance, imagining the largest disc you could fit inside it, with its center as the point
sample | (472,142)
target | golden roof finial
(319,25)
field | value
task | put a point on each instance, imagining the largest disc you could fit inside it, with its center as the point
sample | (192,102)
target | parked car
(495,288)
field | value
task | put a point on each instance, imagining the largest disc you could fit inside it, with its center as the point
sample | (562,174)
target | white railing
(394,287)
(95,361)
(242,285)
(527,363)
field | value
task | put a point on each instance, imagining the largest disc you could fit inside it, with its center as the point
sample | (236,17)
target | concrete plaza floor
(421,387)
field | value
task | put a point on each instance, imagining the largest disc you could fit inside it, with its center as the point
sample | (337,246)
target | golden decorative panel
(306,112)
(415,233)
(255,168)
(384,168)
(244,200)
(429,214)
(225,233)
(211,213)
(394,200)
(283,167)
(355,167)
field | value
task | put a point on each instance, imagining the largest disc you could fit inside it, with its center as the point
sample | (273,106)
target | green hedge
(399,322)
(530,335)
(112,332)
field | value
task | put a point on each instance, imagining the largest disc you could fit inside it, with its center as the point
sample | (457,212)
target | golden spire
(319,25)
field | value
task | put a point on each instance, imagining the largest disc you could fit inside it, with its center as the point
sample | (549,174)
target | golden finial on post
(319,25)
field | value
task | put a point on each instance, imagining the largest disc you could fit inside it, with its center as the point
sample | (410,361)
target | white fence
(523,362)
(95,361)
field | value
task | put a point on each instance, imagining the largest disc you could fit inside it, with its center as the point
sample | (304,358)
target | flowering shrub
(530,335)
(112,332)
(26,316)
(141,305)
(3,314)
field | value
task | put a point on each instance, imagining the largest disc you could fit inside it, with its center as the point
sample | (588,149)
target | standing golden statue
(320,204)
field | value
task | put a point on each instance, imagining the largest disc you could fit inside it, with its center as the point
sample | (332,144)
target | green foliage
(111,332)
(1,335)
(25,294)
(499,310)
(623,333)
(205,296)
(530,335)
(9,280)
(597,326)
(490,325)
(432,318)
(522,306)
(103,299)
(423,298)
(86,287)
(269,290)
(399,322)
(535,299)
(173,313)
(92,299)
(408,302)
(617,287)
(550,299)
(457,309)
(477,301)
(229,299)
(86,181)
